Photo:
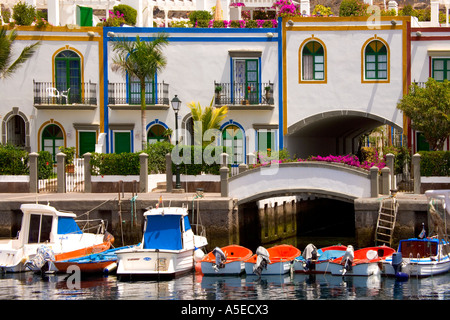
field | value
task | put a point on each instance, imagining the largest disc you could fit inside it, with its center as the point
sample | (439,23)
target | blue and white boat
(425,256)
(316,261)
(45,233)
(168,246)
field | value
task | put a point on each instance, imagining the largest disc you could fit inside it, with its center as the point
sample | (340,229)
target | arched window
(157,133)
(376,61)
(68,74)
(52,139)
(313,61)
(233,139)
(16,131)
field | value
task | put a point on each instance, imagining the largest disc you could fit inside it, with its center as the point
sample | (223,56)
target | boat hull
(272,268)
(422,267)
(148,262)
(361,269)
(320,267)
(230,268)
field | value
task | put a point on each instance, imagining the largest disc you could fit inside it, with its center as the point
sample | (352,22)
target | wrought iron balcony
(50,95)
(122,96)
(242,94)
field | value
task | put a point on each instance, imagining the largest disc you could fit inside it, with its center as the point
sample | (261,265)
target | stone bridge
(335,180)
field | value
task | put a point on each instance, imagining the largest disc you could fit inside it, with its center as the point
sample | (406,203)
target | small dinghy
(104,262)
(316,262)
(363,262)
(227,260)
(273,261)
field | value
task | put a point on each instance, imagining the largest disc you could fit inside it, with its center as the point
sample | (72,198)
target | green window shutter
(52,139)
(313,61)
(376,61)
(441,69)
(84,16)
(68,74)
(122,142)
(88,139)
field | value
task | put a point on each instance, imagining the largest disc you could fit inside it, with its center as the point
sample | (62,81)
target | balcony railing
(243,94)
(51,94)
(119,95)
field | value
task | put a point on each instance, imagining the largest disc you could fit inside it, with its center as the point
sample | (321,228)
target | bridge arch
(333,180)
(332,132)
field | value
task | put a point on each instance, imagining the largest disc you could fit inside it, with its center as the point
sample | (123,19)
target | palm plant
(208,118)
(7,65)
(142,60)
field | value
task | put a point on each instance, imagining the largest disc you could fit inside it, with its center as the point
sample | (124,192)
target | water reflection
(28,286)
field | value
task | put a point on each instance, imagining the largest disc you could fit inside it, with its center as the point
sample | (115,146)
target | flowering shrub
(236,24)
(114,19)
(237,4)
(286,8)
(39,23)
(351,160)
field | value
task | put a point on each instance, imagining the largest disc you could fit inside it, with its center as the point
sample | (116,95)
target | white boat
(167,247)
(425,256)
(46,232)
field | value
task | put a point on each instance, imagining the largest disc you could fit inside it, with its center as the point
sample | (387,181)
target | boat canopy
(418,247)
(68,225)
(163,232)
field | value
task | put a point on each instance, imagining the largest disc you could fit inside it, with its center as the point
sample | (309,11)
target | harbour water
(192,286)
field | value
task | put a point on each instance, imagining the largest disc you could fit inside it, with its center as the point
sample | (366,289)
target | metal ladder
(387,216)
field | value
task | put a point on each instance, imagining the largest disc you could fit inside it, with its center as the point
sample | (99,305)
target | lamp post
(176,104)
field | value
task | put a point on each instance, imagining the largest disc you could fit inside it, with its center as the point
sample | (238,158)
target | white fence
(74,177)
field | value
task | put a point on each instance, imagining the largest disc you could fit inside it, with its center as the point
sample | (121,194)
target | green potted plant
(70,155)
(267,89)
(218,90)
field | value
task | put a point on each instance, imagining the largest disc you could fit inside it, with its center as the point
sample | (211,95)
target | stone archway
(334,132)
(16,129)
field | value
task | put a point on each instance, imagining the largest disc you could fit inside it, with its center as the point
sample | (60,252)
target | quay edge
(217,214)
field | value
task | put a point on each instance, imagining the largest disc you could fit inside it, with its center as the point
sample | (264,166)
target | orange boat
(281,258)
(363,262)
(62,260)
(227,260)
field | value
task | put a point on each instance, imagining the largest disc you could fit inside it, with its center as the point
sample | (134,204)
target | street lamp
(176,104)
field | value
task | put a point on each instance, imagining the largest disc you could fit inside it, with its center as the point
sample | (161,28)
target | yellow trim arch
(300,50)
(363,49)
(45,124)
(67,47)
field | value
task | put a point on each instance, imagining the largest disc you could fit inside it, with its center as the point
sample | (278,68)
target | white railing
(75,177)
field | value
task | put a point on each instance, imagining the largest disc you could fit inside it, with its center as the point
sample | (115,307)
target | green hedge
(128,163)
(13,161)
(434,163)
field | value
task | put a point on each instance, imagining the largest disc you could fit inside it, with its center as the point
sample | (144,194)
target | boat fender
(110,268)
(220,259)
(262,259)
(401,276)
(198,254)
(108,237)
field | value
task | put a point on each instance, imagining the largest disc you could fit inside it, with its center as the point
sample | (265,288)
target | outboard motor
(397,261)
(347,259)
(40,262)
(220,259)
(262,259)
(310,255)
